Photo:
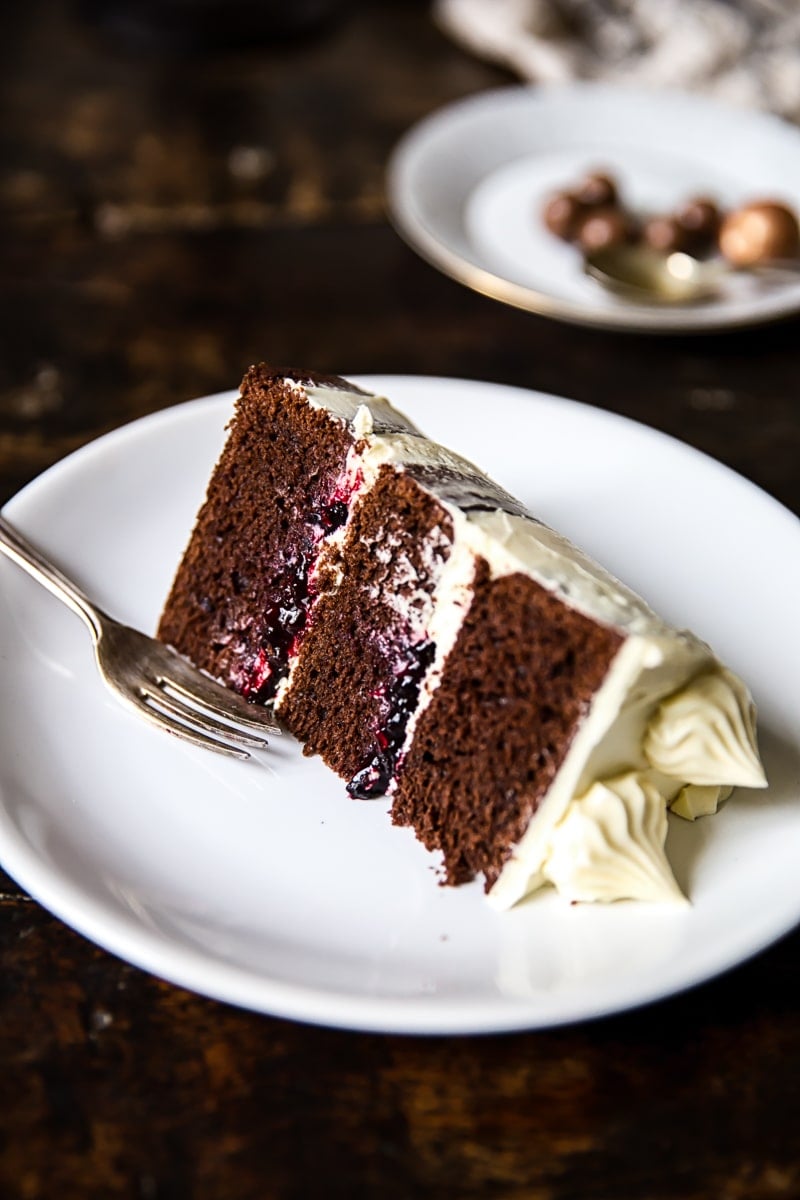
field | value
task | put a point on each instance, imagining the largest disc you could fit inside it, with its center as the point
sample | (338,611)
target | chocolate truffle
(665,234)
(598,189)
(601,228)
(758,233)
(700,218)
(562,214)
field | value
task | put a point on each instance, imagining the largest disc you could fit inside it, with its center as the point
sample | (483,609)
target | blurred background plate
(466,187)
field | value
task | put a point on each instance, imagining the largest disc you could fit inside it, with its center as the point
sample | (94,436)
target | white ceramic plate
(466,188)
(261,883)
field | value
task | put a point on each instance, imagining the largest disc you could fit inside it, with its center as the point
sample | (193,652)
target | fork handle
(19,550)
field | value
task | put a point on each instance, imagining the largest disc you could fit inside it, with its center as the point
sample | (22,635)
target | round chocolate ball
(664,234)
(758,233)
(700,218)
(598,190)
(562,214)
(602,228)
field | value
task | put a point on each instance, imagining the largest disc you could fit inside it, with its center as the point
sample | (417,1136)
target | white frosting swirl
(609,845)
(705,733)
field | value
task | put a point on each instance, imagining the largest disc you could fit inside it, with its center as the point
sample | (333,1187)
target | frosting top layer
(497,526)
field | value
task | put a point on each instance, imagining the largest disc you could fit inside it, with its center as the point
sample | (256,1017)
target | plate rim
(415,232)
(231,983)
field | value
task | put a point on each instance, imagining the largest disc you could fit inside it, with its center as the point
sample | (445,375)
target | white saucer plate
(261,883)
(466,188)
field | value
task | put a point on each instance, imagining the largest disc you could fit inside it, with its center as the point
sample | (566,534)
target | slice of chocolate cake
(530,716)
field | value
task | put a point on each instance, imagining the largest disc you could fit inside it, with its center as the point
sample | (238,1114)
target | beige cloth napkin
(747,53)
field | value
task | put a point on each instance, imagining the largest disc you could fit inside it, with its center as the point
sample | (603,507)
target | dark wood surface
(166,220)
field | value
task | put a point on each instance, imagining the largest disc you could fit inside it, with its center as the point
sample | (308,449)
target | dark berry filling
(283,623)
(332,517)
(399,699)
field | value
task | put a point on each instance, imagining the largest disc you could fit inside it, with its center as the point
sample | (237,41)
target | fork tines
(195,707)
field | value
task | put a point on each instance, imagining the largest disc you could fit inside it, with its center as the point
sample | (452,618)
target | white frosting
(668,727)
(706,734)
(511,543)
(345,405)
(609,845)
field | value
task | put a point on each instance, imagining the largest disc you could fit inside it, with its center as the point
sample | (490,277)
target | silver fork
(148,677)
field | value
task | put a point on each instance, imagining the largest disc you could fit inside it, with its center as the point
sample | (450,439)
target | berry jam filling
(283,623)
(399,700)
(332,517)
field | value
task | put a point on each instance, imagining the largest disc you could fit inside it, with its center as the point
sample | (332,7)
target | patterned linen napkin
(747,53)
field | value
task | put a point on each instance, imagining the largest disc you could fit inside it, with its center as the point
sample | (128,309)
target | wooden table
(166,221)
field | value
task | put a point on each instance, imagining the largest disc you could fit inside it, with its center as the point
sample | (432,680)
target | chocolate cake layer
(240,599)
(490,743)
(366,649)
